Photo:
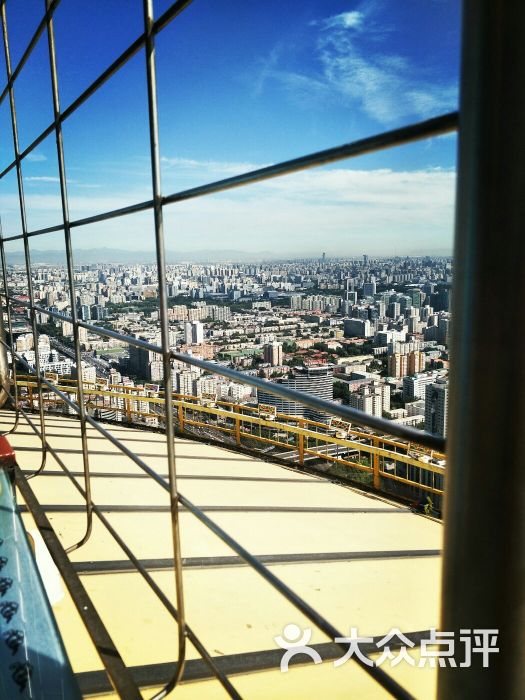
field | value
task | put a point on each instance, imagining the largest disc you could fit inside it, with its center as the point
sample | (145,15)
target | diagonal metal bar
(175,9)
(71,277)
(29,48)
(443,124)
(434,442)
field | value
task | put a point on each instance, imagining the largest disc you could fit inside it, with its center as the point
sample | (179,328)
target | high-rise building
(317,381)
(414,387)
(401,364)
(436,408)
(416,362)
(186,382)
(85,312)
(187,333)
(397,365)
(394,310)
(369,289)
(372,398)
(89,373)
(273,353)
(197,332)
(358,328)
(443,330)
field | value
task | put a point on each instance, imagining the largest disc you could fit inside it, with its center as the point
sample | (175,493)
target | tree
(289,346)
(341,391)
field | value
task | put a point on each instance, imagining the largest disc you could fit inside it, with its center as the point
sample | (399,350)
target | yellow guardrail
(302,439)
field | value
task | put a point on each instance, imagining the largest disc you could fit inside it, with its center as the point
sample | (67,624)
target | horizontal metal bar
(95,682)
(139,508)
(197,477)
(130,340)
(124,57)
(352,415)
(125,566)
(113,214)
(39,309)
(387,139)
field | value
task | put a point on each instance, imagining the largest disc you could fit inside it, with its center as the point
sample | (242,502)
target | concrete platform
(361,561)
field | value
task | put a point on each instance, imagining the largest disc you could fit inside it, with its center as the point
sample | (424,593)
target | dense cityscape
(371,333)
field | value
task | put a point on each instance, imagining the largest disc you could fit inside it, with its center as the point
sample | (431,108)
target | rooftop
(359,559)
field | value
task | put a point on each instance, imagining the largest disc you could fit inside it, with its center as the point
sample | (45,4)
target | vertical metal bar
(484,564)
(11,339)
(375,465)
(300,447)
(23,218)
(71,276)
(181,417)
(164,327)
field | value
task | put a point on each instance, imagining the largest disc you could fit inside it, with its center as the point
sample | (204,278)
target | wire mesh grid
(115,667)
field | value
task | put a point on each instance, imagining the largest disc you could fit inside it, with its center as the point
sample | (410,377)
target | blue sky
(242,84)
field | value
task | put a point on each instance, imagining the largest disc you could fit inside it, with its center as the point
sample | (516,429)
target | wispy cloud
(345,20)
(339,210)
(41,178)
(354,67)
(387,86)
(35,179)
(36,157)
(207,169)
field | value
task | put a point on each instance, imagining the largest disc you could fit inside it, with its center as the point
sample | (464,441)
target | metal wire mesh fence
(145,43)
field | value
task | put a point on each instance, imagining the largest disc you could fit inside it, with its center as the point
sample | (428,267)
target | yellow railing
(377,457)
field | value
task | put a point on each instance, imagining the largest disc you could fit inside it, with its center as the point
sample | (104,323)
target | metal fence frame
(117,672)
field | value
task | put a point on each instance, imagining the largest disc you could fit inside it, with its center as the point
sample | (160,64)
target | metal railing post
(375,465)
(237,426)
(484,562)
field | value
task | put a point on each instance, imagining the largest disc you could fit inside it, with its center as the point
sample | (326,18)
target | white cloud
(345,20)
(356,69)
(41,178)
(36,157)
(207,166)
(385,85)
(339,210)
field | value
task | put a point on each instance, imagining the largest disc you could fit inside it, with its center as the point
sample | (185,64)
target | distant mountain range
(120,256)
(116,255)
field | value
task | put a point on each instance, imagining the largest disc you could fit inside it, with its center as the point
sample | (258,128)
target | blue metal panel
(33,661)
